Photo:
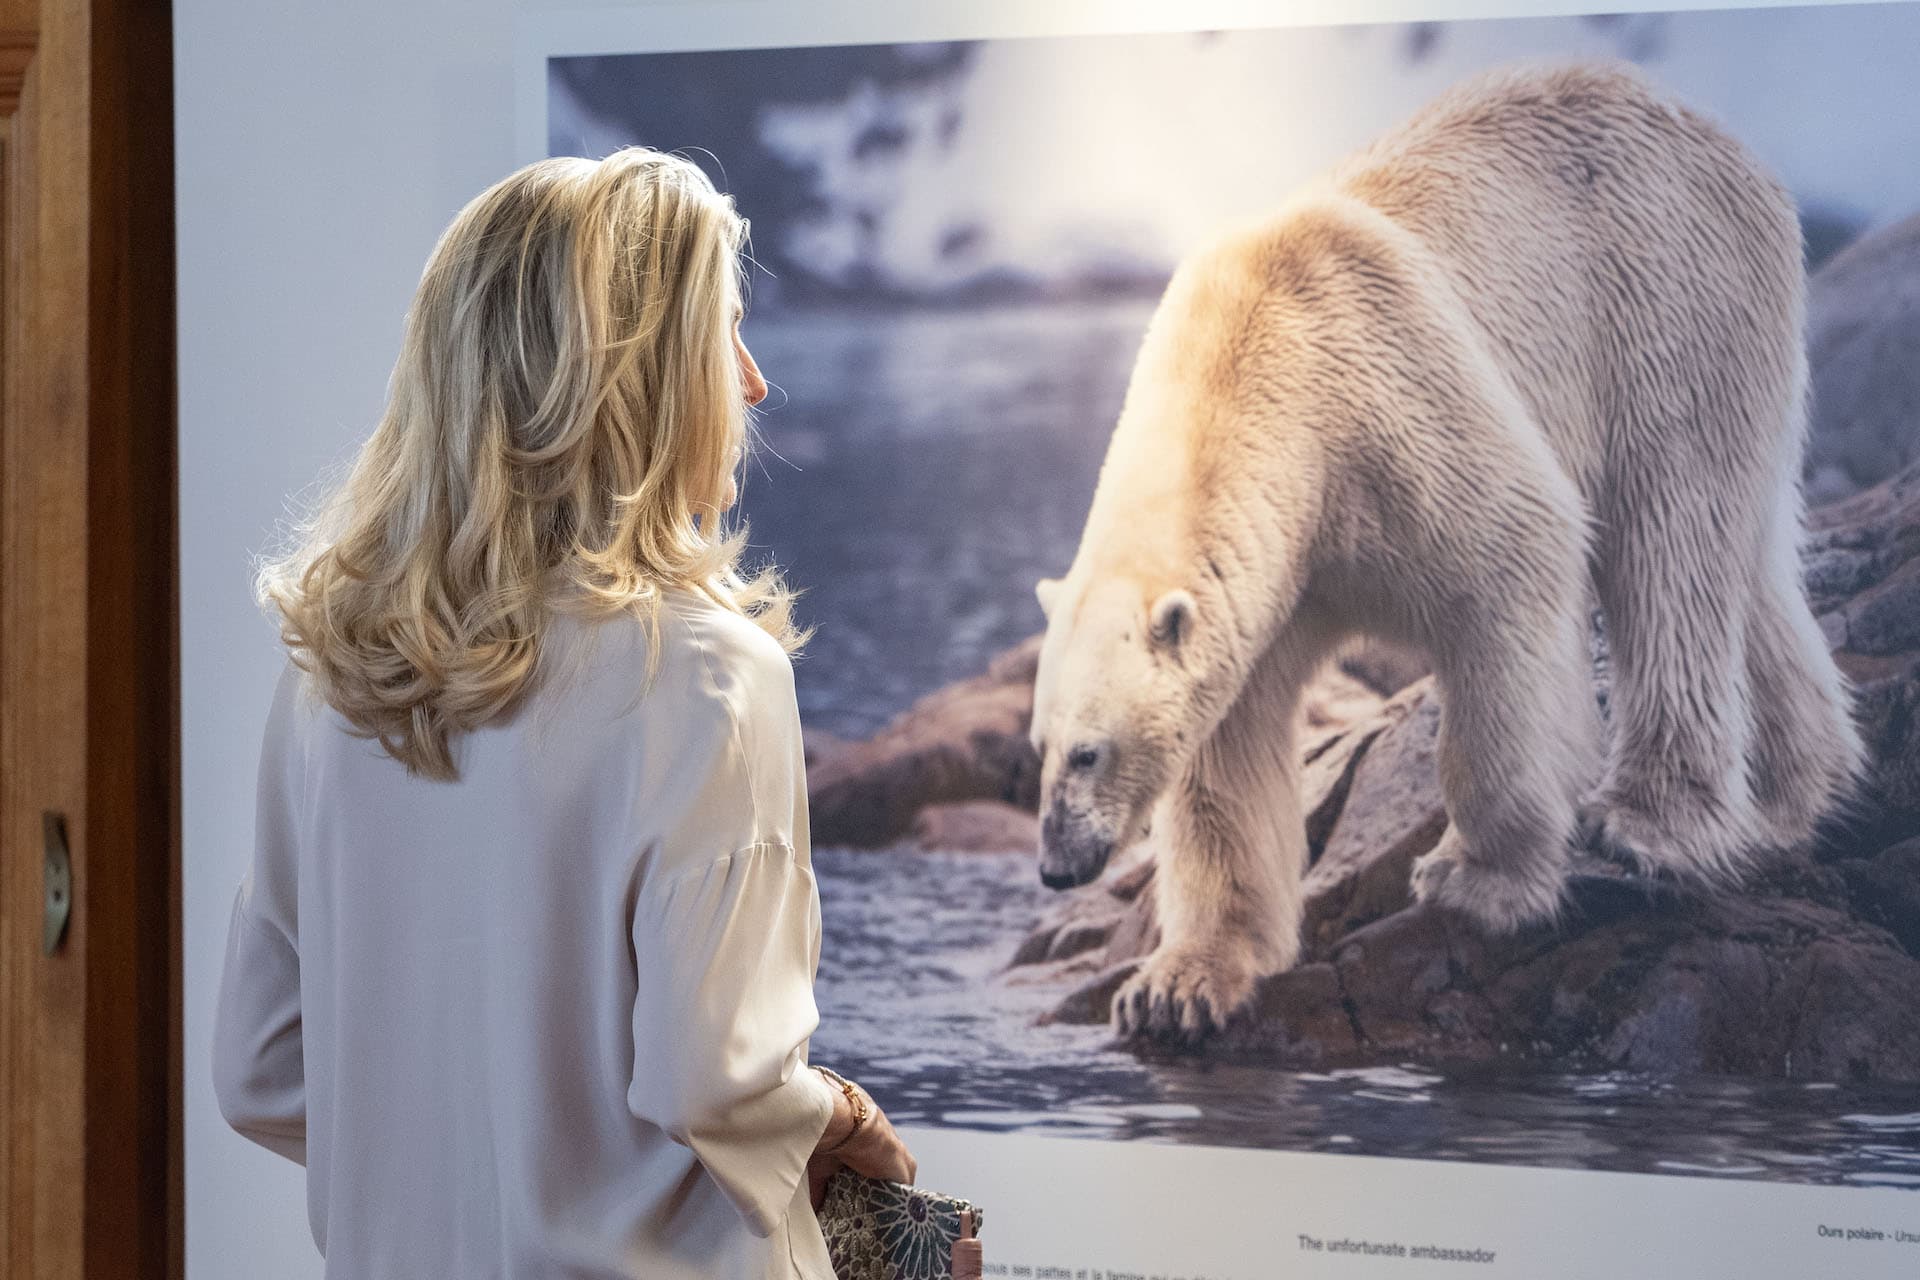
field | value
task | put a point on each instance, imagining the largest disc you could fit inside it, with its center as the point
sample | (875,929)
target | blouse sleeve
(258,1071)
(726,956)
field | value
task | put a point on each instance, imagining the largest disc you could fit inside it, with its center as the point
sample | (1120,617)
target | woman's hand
(819,1169)
(874,1149)
(877,1150)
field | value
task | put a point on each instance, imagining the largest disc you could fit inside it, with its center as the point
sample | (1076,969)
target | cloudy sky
(921,168)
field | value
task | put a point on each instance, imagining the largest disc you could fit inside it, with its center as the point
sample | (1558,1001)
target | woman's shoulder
(703,658)
(723,632)
(698,676)
(731,649)
(719,699)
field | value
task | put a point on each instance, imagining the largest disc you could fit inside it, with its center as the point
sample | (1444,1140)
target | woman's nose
(754,385)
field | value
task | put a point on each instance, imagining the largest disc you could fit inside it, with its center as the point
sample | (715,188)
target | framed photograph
(1368,594)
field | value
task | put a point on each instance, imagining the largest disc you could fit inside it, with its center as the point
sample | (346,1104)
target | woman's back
(523,970)
(533,1046)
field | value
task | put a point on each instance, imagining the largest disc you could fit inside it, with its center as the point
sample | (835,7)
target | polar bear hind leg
(1677,800)
(1728,720)
(1677,584)
(1805,757)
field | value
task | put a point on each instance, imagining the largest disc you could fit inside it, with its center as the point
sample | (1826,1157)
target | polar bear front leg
(1229,915)
(1232,851)
(1520,742)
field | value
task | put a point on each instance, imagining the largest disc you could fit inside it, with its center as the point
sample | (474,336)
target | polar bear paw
(1184,994)
(1623,838)
(1502,897)
(1690,849)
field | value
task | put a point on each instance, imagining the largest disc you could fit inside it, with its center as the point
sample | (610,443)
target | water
(932,465)
(914,1003)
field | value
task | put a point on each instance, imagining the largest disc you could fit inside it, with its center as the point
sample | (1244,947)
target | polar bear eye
(1083,757)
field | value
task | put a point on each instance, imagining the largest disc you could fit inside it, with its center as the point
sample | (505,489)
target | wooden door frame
(91,1184)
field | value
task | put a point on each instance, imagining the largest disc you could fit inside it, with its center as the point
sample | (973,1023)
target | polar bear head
(1114,712)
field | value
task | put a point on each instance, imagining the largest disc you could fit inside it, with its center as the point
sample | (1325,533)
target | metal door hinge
(58,878)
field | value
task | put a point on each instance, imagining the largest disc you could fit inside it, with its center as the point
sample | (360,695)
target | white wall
(321,149)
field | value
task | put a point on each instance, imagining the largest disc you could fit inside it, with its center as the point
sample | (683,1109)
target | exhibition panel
(1363,577)
(1361,718)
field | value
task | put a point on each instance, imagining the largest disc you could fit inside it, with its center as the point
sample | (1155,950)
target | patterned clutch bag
(879,1230)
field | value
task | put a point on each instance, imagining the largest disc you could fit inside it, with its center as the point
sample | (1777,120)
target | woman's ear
(1047,590)
(1170,620)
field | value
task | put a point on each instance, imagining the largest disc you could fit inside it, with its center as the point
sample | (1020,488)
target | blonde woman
(523,968)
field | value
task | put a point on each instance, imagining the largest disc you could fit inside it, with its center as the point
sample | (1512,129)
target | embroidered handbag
(879,1230)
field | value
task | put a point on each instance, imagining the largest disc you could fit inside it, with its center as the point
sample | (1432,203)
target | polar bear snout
(1073,850)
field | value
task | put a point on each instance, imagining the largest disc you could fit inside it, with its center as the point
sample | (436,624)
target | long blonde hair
(561,432)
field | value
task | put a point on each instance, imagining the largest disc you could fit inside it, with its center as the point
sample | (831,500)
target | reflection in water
(913,1004)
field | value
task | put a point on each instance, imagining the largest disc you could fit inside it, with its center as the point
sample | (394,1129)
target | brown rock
(966,742)
(1885,891)
(1089,1003)
(1136,931)
(1301,1021)
(1756,987)
(1851,990)
(976,826)
(1328,764)
(1115,917)
(1863,571)
(1127,883)
(1391,815)
(1863,314)
(1034,947)
(819,746)
(1336,700)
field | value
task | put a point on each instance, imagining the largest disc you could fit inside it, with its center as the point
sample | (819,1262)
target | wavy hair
(561,432)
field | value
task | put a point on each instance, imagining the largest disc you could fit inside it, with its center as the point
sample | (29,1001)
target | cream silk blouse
(549,1020)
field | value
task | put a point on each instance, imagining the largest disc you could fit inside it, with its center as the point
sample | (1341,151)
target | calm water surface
(912,1001)
(923,472)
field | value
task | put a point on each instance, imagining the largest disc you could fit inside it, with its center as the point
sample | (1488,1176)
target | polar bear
(1535,352)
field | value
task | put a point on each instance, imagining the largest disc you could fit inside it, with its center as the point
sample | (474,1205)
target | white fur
(1537,351)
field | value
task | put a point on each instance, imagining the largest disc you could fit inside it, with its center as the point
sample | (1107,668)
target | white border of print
(1067,1207)
(1096,1210)
(666,26)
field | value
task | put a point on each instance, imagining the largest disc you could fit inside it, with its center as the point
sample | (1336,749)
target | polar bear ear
(1171,618)
(1047,590)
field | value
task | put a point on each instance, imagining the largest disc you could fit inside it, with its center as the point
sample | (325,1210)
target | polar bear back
(1622,255)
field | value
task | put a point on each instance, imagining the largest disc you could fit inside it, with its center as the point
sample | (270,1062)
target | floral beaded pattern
(879,1230)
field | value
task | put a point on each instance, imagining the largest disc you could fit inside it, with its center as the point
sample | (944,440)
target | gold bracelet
(855,1100)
